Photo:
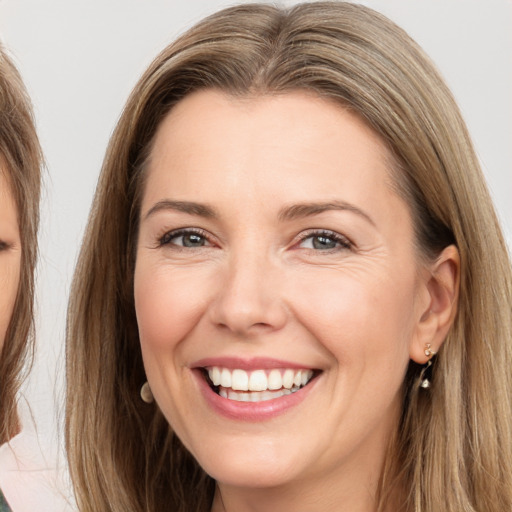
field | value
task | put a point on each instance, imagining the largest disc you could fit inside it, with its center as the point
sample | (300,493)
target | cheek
(357,317)
(9,282)
(169,303)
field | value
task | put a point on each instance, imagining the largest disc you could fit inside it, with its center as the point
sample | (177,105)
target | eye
(189,238)
(324,241)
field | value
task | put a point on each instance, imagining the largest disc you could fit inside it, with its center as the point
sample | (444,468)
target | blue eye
(324,241)
(185,238)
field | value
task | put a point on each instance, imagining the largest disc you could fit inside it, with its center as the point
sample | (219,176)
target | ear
(437,304)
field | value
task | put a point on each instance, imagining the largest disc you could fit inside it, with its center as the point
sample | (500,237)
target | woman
(292,243)
(20,166)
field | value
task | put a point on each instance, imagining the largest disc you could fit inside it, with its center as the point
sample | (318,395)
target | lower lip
(251,411)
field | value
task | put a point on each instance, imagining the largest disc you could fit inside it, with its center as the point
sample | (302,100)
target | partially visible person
(26,482)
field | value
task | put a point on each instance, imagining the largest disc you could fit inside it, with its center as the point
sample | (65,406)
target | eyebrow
(202,210)
(298,211)
(295,211)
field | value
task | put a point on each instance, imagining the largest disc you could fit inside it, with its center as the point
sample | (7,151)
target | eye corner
(5,246)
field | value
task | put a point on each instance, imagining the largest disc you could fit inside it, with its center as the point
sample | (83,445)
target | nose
(250,298)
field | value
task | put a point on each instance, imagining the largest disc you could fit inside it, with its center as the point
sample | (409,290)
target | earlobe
(438,310)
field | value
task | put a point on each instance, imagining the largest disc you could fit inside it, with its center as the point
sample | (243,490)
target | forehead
(295,136)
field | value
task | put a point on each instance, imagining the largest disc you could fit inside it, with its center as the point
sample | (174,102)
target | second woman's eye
(324,241)
(185,238)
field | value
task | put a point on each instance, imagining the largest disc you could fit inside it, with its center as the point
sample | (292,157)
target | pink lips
(248,411)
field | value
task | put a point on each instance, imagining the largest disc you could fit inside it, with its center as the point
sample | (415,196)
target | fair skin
(271,240)
(10,255)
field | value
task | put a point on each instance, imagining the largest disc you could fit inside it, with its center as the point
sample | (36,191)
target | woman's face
(274,255)
(10,255)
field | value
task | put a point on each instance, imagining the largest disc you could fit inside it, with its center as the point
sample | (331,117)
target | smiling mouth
(258,385)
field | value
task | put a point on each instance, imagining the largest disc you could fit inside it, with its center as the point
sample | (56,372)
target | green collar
(3,504)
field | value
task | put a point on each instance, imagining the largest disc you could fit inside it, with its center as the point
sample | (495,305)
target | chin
(251,477)
(254,468)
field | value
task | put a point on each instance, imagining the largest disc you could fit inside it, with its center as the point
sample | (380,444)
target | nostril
(244,329)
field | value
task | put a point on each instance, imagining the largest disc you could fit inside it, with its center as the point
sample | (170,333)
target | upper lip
(248,364)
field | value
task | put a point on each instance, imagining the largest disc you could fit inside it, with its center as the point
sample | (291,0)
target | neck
(257,500)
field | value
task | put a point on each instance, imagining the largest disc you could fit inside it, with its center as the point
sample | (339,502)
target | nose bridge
(250,296)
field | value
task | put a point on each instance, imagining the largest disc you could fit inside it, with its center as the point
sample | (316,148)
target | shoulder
(29,481)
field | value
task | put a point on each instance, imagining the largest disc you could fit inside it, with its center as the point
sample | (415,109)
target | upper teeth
(258,380)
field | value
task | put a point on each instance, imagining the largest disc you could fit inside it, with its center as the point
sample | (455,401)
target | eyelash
(4,245)
(342,242)
(166,238)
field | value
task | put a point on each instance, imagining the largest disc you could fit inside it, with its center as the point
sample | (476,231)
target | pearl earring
(428,350)
(146,394)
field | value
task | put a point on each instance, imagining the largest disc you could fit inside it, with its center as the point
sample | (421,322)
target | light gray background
(80,59)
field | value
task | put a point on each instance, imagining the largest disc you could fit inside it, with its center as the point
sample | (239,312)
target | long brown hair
(454,447)
(21,158)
